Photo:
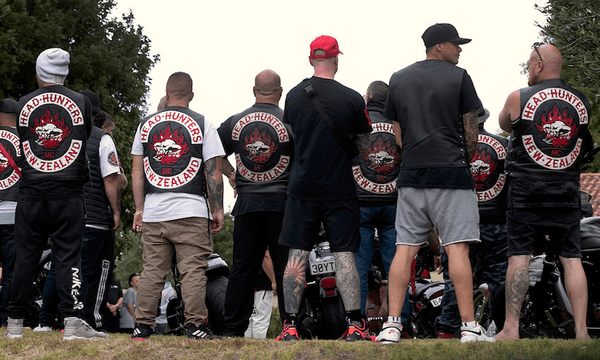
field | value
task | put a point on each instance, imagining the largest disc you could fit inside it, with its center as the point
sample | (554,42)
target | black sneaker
(141,332)
(201,332)
(289,332)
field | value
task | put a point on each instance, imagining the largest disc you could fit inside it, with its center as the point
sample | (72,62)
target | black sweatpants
(35,221)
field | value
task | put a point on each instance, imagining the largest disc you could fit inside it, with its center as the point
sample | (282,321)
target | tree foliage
(109,56)
(573,26)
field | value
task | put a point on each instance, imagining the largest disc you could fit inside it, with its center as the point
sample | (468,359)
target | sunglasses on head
(535,47)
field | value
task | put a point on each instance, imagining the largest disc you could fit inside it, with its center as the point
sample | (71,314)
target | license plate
(322,267)
(436,302)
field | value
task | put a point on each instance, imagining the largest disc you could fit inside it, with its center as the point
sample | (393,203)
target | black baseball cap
(441,33)
(9,106)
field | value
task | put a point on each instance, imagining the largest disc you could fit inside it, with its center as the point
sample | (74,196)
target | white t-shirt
(169,206)
(109,164)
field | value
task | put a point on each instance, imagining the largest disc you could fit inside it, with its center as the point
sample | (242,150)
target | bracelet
(138,212)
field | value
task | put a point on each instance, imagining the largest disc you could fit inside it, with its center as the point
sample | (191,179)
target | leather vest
(172,139)
(53,135)
(97,206)
(9,178)
(263,149)
(487,167)
(377,173)
(547,139)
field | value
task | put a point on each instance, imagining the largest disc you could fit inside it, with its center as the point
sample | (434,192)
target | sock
(470,324)
(291,319)
(394,319)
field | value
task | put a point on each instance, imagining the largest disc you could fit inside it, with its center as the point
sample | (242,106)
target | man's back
(321,168)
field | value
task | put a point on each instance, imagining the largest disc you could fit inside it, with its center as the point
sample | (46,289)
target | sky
(224,44)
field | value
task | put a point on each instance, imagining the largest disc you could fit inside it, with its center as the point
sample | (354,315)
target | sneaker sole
(386,342)
(13,336)
(80,338)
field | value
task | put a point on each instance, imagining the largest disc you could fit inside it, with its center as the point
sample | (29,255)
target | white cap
(52,66)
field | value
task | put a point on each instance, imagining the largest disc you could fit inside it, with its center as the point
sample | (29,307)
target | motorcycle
(216,287)
(546,309)
(325,316)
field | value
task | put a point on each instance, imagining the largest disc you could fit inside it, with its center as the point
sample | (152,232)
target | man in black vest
(263,149)
(433,104)
(10,174)
(53,125)
(171,150)
(548,123)
(102,206)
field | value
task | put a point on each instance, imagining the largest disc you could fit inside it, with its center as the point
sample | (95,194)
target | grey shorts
(453,212)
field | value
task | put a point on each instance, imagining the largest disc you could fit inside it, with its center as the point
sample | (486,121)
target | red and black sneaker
(358,331)
(289,332)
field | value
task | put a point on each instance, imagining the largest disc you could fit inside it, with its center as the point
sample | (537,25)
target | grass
(119,346)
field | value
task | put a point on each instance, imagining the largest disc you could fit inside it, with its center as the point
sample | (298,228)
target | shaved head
(551,57)
(267,83)
(179,85)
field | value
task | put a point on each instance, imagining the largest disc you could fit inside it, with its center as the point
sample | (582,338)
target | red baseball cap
(326,43)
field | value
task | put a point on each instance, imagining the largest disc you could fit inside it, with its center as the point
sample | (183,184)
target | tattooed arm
(214,178)
(363,143)
(294,280)
(471,133)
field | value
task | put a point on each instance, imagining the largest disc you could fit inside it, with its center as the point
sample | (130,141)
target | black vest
(487,167)
(52,129)
(97,207)
(263,149)
(377,173)
(9,178)
(172,140)
(547,140)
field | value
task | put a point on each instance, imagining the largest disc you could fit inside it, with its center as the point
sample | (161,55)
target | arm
(397,133)
(113,193)
(267,266)
(363,143)
(511,111)
(214,178)
(137,185)
(229,172)
(471,133)
(122,179)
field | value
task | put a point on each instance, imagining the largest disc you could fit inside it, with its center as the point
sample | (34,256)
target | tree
(573,26)
(108,56)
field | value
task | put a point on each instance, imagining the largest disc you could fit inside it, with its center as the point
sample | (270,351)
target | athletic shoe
(41,328)
(359,331)
(289,332)
(14,328)
(473,334)
(390,333)
(141,332)
(76,328)
(201,332)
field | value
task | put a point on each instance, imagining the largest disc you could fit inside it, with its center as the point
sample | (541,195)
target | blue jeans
(383,219)
(490,254)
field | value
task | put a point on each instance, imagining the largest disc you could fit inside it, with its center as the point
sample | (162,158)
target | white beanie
(52,66)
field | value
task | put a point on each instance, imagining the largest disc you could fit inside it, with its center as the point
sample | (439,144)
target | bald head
(179,89)
(545,65)
(267,87)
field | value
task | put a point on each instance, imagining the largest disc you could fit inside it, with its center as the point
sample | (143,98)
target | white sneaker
(474,334)
(76,328)
(390,333)
(14,328)
(41,328)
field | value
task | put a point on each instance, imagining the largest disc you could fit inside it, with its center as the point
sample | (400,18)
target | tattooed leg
(294,280)
(517,284)
(346,277)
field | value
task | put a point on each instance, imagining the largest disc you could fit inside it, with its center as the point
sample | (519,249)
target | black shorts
(523,227)
(302,222)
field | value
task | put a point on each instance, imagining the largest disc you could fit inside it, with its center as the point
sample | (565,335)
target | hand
(117,220)
(437,264)
(137,221)
(217,223)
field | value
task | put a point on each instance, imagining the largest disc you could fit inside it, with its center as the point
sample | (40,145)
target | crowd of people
(409,162)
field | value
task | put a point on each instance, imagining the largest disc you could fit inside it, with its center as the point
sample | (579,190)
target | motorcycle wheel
(215,302)
(331,318)
(528,329)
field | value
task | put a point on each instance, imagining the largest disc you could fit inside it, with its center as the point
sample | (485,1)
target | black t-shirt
(428,99)
(322,170)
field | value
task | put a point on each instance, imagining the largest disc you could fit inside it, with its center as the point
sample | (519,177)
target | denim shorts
(453,212)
